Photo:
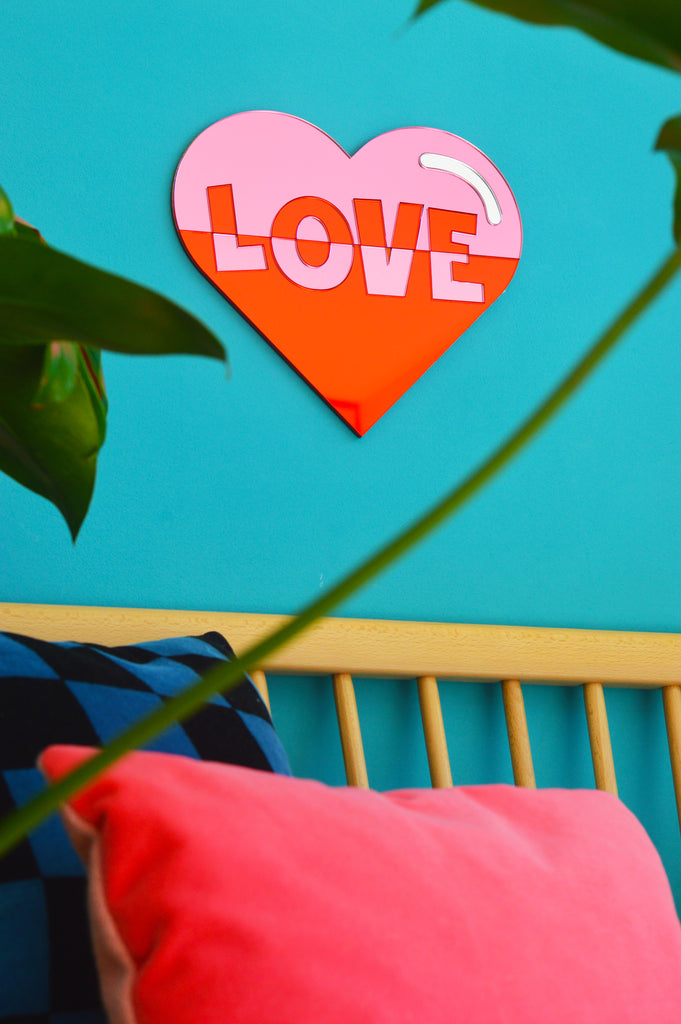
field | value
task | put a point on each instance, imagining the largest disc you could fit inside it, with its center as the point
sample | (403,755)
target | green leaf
(51,429)
(45,294)
(669,141)
(6,215)
(24,230)
(56,314)
(59,374)
(647,29)
(52,410)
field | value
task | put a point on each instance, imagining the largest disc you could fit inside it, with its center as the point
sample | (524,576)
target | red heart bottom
(367,350)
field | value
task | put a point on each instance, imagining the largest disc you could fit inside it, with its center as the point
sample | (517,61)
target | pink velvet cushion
(222,894)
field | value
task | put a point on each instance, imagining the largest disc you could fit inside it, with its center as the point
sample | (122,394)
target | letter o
(336,267)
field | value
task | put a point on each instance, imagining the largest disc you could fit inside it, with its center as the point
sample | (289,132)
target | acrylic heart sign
(360,270)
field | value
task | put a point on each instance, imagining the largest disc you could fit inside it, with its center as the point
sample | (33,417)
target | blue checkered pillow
(85,694)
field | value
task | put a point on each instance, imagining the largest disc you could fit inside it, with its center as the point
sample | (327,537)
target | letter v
(387,269)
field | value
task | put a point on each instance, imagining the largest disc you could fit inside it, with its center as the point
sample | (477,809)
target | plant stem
(17,825)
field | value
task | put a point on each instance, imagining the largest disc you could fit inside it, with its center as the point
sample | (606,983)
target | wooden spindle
(671,698)
(434,732)
(350,734)
(518,735)
(599,737)
(260,683)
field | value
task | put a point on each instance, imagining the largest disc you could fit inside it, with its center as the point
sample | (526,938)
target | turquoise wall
(248,493)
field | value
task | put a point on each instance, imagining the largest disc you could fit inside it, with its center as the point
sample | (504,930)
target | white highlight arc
(439,162)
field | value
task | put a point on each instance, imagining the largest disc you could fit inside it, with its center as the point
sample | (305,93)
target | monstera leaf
(56,314)
(647,29)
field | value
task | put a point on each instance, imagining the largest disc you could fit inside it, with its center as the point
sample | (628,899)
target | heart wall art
(360,270)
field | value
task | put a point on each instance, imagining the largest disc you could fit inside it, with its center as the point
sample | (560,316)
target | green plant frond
(649,31)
